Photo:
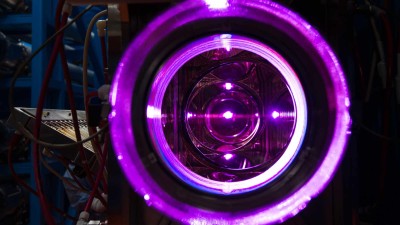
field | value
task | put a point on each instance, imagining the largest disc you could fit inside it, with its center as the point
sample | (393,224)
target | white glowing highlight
(146,197)
(217,4)
(113,113)
(153,112)
(120,157)
(228,86)
(347,102)
(226,44)
(228,156)
(228,115)
(244,164)
(189,115)
(275,114)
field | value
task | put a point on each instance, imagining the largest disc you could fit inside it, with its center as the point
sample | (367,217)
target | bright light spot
(275,114)
(244,164)
(153,112)
(256,114)
(228,86)
(146,197)
(120,157)
(226,42)
(346,118)
(225,36)
(347,102)
(189,115)
(113,113)
(228,115)
(217,4)
(227,188)
(228,156)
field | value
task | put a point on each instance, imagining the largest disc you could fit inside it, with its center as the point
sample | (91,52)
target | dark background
(365,189)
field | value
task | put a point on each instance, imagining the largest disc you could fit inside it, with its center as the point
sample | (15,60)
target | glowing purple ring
(122,131)
(168,71)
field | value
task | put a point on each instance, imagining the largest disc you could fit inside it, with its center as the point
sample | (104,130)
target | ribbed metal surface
(66,128)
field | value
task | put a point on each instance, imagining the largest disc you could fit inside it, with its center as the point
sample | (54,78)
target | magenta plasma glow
(121,98)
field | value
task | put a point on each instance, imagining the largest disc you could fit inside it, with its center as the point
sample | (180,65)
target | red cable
(67,78)
(14,141)
(66,165)
(95,142)
(89,96)
(40,105)
(104,184)
(75,119)
(38,120)
(60,6)
(98,179)
(39,110)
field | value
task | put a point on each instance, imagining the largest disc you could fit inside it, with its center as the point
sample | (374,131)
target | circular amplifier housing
(229,112)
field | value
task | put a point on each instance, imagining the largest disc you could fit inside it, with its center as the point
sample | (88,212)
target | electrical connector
(83,218)
(101,27)
(97,206)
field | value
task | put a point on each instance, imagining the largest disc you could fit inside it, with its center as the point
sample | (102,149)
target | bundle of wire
(96,179)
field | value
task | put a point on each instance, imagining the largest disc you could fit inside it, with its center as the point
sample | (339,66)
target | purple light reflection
(122,131)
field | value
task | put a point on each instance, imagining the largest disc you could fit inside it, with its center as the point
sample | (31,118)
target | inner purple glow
(228,119)
(219,128)
(122,132)
(221,116)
